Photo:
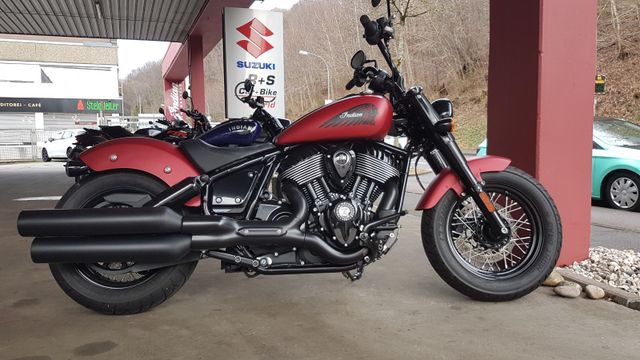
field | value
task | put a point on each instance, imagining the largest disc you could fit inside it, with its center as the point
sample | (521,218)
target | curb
(618,296)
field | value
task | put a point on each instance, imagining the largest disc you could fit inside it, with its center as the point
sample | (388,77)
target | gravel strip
(618,268)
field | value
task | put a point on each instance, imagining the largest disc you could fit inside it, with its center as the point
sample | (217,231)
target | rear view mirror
(358,60)
(161,110)
(444,107)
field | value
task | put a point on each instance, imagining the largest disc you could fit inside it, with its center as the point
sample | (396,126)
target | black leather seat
(208,157)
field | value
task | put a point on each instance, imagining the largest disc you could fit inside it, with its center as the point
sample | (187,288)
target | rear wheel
(117,288)
(622,191)
(455,241)
(45,155)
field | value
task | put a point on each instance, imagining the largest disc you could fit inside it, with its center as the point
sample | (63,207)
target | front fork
(448,154)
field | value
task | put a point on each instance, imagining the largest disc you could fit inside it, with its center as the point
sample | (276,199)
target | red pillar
(196,72)
(541,81)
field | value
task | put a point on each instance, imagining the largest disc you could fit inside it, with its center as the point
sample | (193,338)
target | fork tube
(454,157)
(405,180)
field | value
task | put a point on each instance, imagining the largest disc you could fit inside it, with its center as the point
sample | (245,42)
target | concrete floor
(399,310)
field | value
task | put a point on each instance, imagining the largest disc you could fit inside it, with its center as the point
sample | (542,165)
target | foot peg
(355,274)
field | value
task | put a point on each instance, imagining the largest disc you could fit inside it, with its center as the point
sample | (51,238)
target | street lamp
(307,53)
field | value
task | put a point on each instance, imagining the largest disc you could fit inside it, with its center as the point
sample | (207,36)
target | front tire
(454,241)
(103,287)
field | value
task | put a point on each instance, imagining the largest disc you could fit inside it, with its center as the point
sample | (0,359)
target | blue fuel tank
(242,132)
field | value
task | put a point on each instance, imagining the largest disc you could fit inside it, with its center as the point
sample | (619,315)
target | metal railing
(19,144)
(26,144)
(22,144)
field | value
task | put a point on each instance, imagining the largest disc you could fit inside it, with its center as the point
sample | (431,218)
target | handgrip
(350,84)
(371,30)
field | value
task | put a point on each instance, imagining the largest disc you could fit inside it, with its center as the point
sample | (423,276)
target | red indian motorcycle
(323,195)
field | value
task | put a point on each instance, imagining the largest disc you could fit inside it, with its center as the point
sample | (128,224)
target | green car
(615,163)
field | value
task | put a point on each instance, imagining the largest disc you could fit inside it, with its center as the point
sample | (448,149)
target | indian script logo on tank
(255,31)
(359,115)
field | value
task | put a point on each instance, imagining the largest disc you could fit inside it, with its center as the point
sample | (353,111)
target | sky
(132,54)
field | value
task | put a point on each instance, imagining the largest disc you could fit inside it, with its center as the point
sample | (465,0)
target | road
(399,310)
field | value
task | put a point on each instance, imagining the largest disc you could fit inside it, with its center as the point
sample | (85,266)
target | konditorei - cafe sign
(73,106)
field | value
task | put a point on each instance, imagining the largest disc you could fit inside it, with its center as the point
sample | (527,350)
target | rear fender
(448,180)
(158,158)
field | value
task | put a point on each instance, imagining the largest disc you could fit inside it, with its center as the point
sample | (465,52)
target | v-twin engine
(341,185)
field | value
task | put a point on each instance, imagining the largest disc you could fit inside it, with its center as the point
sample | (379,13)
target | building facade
(48,84)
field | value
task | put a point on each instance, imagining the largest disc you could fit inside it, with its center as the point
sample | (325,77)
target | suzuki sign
(253,49)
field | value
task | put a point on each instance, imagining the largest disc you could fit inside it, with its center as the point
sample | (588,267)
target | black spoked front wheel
(455,238)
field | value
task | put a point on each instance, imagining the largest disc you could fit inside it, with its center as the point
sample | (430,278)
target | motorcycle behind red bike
(173,131)
(323,195)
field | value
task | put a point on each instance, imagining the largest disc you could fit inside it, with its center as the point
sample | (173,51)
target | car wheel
(45,155)
(622,191)
(69,151)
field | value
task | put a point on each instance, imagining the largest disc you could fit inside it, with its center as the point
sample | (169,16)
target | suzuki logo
(254,30)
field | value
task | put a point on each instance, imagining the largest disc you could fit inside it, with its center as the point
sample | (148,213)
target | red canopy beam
(182,60)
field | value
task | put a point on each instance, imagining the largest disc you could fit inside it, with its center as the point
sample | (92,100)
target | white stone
(553,279)
(568,290)
(594,292)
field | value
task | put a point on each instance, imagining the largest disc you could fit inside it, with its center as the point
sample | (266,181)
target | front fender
(448,179)
(158,158)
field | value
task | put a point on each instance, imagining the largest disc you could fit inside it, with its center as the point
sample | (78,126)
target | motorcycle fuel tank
(241,132)
(358,117)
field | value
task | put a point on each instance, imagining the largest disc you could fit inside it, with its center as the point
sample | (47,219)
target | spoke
(504,257)
(519,223)
(508,209)
(465,224)
(521,243)
(465,231)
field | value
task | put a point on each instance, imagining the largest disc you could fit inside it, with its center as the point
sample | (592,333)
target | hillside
(619,58)
(442,45)
(143,89)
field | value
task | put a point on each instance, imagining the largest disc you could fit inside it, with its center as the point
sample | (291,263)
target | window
(66,135)
(617,132)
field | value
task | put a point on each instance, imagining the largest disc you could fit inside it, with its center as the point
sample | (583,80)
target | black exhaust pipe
(98,222)
(225,232)
(152,249)
(159,234)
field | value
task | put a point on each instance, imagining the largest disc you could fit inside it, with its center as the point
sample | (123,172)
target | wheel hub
(485,238)
(624,192)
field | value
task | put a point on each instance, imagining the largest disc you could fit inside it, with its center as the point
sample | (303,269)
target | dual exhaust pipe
(161,235)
